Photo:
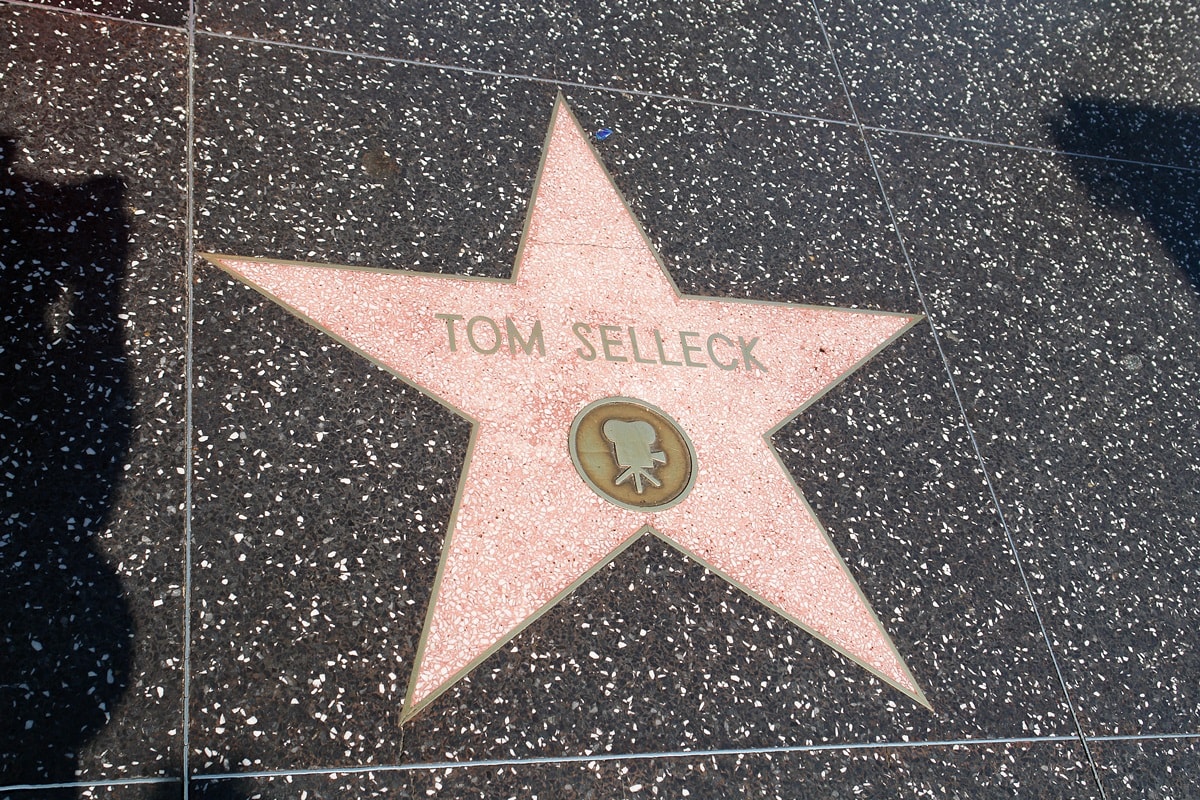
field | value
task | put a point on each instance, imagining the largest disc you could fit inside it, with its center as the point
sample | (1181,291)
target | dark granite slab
(1153,769)
(1066,290)
(91,428)
(321,484)
(1045,770)
(324,485)
(762,53)
(1123,75)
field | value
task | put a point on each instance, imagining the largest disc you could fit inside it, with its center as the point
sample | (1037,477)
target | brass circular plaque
(632,454)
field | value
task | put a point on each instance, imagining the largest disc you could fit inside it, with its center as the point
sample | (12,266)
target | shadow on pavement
(1167,199)
(65,627)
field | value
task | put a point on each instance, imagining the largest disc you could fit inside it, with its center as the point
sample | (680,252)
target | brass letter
(535,338)
(688,349)
(662,356)
(636,355)
(748,356)
(450,320)
(579,329)
(713,355)
(495,334)
(607,343)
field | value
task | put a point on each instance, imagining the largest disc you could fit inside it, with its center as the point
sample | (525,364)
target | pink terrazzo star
(522,357)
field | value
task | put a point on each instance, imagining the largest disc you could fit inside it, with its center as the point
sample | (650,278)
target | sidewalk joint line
(1026,148)
(1143,737)
(647,756)
(33,787)
(937,340)
(188,369)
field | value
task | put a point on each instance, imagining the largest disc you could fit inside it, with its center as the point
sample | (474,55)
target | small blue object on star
(603,134)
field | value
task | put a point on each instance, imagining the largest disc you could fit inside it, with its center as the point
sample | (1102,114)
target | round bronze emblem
(632,454)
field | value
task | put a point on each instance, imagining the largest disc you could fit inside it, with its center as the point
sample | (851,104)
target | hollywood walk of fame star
(591,324)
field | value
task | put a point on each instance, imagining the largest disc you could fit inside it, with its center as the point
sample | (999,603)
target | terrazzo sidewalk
(946,259)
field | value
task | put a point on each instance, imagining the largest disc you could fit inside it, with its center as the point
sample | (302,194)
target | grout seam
(1025,148)
(609,757)
(1081,737)
(189,365)
(1142,737)
(647,756)
(115,782)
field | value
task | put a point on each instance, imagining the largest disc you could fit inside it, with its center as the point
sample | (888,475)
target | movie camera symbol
(632,443)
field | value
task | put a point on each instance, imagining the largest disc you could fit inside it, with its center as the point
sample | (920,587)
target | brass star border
(592,319)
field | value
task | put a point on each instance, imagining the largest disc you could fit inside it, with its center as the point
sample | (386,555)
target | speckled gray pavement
(221,528)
